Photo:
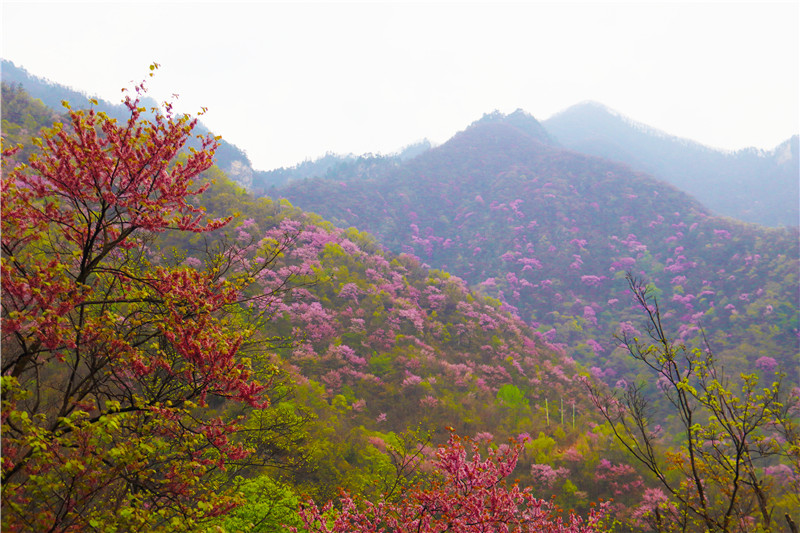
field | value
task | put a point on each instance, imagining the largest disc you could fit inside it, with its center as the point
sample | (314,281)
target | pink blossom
(545,476)
(484,437)
(350,291)
(589,315)
(193,262)
(592,281)
(411,380)
(596,347)
(767,364)
(429,401)
(655,510)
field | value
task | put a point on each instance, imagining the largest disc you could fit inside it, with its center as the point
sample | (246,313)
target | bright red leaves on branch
(108,356)
(470,496)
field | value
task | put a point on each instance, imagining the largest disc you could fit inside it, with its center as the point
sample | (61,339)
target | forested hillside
(179,355)
(392,346)
(551,233)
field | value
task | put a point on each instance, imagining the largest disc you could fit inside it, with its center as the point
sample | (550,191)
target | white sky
(290,81)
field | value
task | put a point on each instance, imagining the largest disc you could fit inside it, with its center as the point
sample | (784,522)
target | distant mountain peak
(786,152)
(592,112)
(520,120)
(750,184)
(589,104)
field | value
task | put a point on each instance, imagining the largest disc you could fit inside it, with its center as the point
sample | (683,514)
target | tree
(471,495)
(728,433)
(270,507)
(109,355)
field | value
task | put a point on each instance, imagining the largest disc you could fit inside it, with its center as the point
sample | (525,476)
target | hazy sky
(290,81)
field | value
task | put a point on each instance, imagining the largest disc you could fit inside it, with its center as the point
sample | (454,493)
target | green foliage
(23,117)
(270,506)
(542,448)
(511,396)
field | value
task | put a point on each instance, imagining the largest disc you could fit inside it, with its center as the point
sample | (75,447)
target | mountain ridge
(378,347)
(730,183)
(753,185)
(494,157)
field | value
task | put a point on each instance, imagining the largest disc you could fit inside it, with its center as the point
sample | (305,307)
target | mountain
(751,185)
(23,117)
(228,156)
(551,232)
(371,351)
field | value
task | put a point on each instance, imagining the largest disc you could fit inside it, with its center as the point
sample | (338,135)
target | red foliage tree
(470,496)
(108,355)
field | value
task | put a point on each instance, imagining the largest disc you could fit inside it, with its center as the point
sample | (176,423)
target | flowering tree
(471,495)
(109,356)
(729,434)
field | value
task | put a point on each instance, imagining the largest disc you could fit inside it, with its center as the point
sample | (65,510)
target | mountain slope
(336,167)
(384,348)
(750,185)
(551,232)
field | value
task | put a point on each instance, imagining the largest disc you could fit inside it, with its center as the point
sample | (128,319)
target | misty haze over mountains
(751,185)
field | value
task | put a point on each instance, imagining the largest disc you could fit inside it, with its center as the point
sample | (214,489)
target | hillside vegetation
(551,233)
(183,358)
